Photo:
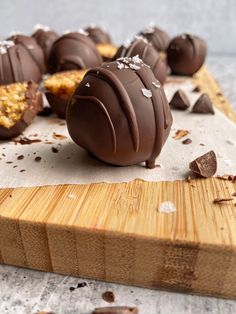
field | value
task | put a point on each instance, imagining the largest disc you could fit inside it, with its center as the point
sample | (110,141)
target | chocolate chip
(54,150)
(116,310)
(187,141)
(180,100)
(20,157)
(38,159)
(108,296)
(203,105)
(196,89)
(205,165)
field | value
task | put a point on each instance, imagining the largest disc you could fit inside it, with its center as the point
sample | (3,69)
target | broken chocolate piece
(108,296)
(116,310)
(180,100)
(187,141)
(205,165)
(203,105)
(222,200)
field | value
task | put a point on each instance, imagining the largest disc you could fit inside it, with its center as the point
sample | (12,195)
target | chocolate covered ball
(45,37)
(186,54)
(98,35)
(73,51)
(120,114)
(17,64)
(32,47)
(157,37)
(149,56)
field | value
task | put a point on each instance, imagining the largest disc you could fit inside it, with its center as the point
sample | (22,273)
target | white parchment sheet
(72,165)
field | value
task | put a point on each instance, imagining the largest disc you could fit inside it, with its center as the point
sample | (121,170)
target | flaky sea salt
(156,84)
(146,92)
(120,65)
(136,59)
(82,31)
(134,66)
(43,27)
(167,207)
(87,84)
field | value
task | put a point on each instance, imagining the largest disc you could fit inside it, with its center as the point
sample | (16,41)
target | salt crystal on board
(167,207)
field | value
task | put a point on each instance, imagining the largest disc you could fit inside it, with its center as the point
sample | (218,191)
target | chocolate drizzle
(124,100)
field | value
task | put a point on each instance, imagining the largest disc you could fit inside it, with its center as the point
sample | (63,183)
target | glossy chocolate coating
(157,37)
(98,35)
(32,47)
(35,105)
(17,64)
(120,115)
(186,54)
(45,38)
(73,51)
(149,56)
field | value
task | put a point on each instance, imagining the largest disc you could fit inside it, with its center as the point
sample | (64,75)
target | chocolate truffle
(120,114)
(73,51)
(32,47)
(98,35)
(19,104)
(17,64)
(45,37)
(186,54)
(157,37)
(59,89)
(149,56)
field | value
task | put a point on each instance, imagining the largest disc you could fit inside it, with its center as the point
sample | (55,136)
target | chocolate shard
(205,165)
(203,105)
(116,310)
(180,100)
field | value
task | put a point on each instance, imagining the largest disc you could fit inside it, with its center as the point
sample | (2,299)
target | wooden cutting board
(113,232)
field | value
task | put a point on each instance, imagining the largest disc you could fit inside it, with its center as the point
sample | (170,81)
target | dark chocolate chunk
(180,100)
(108,296)
(116,310)
(148,54)
(187,141)
(157,37)
(203,105)
(98,35)
(123,118)
(73,51)
(205,165)
(186,54)
(45,38)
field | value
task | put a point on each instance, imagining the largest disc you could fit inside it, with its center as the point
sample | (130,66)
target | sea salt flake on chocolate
(167,207)
(205,165)
(146,92)
(87,84)
(136,59)
(120,65)
(134,66)
(156,84)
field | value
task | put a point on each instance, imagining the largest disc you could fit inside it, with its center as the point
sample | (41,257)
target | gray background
(215,20)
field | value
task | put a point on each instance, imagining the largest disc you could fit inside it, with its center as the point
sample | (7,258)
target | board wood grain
(114,232)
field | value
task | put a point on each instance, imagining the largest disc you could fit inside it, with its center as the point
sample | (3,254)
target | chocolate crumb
(22,170)
(203,105)
(47,111)
(38,158)
(58,136)
(108,296)
(10,195)
(180,100)
(202,144)
(15,166)
(219,94)
(234,194)
(25,141)
(9,162)
(187,141)
(54,150)
(180,134)
(20,157)
(79,285)
(221,200)
(196,89)
(205,165)
(116,310)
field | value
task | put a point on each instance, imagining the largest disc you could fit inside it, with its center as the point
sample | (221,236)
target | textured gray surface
(25,291)
(213,19)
